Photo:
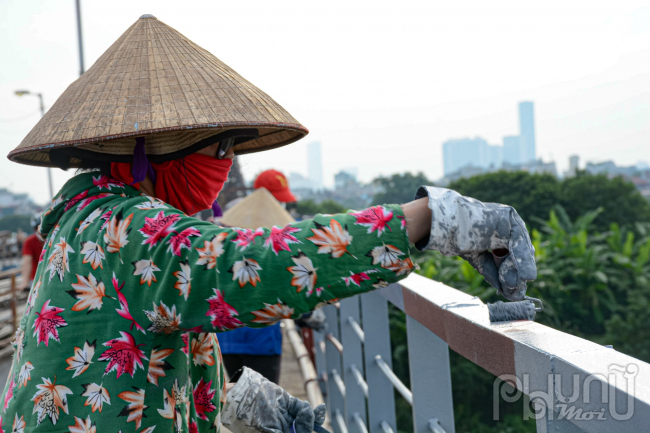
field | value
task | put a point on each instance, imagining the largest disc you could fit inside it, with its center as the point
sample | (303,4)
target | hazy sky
(380,83)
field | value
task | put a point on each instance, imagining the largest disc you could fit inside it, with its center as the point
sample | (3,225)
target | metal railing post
(381,399)
(321,362)
(430,378)
(336,400)
(355,400)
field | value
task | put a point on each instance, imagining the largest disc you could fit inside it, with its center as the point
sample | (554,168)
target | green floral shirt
(118,332)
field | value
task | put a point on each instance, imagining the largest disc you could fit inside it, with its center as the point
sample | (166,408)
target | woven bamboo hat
(155,83)
(260,209)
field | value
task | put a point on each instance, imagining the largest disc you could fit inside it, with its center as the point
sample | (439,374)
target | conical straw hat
(260,209)
(156,83)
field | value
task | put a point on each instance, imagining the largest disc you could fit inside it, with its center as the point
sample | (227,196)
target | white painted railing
(574,384)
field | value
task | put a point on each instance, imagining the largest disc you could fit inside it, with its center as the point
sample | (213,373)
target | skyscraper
(494,156)
(463,152)
(574,162)
(315,165)
(511,149)
(527,131)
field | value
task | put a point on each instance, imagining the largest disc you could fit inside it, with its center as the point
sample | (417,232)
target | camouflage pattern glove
(255,404)
(465,227)
(315,320)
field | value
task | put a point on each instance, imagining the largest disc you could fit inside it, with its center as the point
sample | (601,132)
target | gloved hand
(255,404)
(465,227)
(315,320)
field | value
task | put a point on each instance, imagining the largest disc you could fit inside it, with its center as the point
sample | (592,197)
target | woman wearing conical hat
(118,330)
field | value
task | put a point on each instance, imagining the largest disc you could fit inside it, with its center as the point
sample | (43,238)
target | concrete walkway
(290,376)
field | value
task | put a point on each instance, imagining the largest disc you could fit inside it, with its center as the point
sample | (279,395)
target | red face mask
(190,184)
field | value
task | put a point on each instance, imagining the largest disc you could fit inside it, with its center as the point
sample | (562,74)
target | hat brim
(284,196)
(153,82)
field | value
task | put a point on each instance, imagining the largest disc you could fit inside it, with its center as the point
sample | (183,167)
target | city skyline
(477,152)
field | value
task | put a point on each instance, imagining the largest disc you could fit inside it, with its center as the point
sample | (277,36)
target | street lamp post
(42,106)
(81,42)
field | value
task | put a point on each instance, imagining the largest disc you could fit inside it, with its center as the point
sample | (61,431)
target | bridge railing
(575,385)
(11,307)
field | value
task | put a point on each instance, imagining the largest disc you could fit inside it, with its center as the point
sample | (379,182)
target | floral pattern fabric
(118,332)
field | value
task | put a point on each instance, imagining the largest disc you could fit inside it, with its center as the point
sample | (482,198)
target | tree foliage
(534,195)
(399,188)
(309,208)
(621,202)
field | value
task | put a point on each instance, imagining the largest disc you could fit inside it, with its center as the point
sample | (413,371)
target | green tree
(305,207)
(621,201)
(533,195)
(15,222)
(399,188)
(331,207)
(310,208)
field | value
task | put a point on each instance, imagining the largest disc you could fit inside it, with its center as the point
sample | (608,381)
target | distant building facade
(298,181)
(348,191)
(315,165)
(511,154)
(463,152)
(16,204)
(611,169)
(344,179)
(494,155)
(535,167)
(574,163)
(638,174)
(527,151)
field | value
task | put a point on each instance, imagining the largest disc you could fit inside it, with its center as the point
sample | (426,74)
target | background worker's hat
(277,184)
(260,209)
(155,83)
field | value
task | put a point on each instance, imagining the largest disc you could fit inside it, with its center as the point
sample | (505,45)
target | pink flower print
(181,240)
(124,356)
(246,237)
(222,314)
(375,218)
(281,237)
(156,229)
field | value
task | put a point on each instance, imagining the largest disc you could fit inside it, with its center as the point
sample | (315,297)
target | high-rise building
(527,131)
(315,165)
(511,149)
(298,181)
(574,161)
(494,156)
(463,152)
(344,178)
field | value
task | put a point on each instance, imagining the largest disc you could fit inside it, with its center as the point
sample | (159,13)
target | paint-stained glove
(315,320)
(255,404)
(465,227)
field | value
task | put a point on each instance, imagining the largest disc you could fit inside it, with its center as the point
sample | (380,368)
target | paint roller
(520,310)
(508,311)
